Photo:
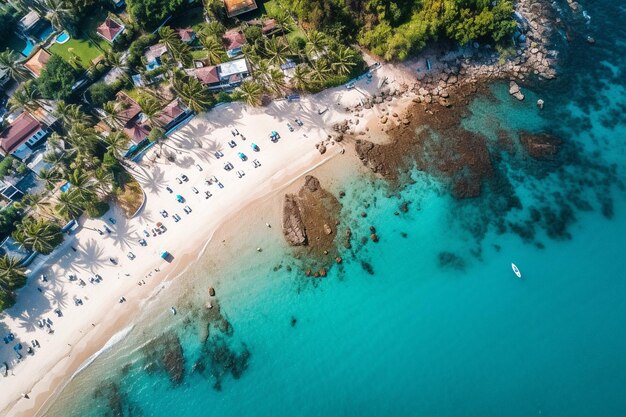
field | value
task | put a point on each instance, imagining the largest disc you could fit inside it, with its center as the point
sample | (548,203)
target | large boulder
(293,226)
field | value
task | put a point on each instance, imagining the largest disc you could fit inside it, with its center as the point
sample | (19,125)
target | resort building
(131,118)
(37,62)
(153,56)
(21,136)
(233,41)
(172,114)
(237,7)
(187,35)
(29,22)
(223,76)
(110,30)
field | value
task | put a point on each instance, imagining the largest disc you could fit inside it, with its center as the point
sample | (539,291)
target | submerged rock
(541,145)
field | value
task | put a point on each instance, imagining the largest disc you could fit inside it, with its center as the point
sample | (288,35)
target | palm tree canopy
(39,235)
(251,92)
(9,63)
(12,275)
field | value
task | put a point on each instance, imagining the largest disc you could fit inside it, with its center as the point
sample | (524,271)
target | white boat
(4,368)
(173,310)
(516,270)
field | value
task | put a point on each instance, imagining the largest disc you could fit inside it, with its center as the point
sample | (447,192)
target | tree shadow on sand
(58,296)
(91,257)
(152,180)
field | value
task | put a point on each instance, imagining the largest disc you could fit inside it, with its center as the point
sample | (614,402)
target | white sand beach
(84,329)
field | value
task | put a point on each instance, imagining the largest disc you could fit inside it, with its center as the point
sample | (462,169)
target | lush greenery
(56,79)
(80,53)
(12,277)
(150,13)
(9,218)
(396,29)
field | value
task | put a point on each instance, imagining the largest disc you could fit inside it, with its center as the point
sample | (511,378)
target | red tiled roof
(130,110)
(18,132)
(137,132)
(37,62)
(236,7)
(171,112)
(234,39)
(186,34)
(268,26)
(109,29)
(207,75)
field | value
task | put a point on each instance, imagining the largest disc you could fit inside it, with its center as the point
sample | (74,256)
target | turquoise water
(441,327)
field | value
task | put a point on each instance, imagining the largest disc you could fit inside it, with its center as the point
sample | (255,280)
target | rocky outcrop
(515,91)
(540,146)
(293,226)
(310,219)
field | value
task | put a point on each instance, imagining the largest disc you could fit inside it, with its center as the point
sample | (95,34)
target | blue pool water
(28,47)
(440,327)
(65,187)
(63,37)
(45,32)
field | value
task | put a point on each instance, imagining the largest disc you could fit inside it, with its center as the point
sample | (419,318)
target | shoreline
(61,362)
(407,89)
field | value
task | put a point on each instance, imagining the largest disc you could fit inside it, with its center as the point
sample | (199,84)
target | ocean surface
(430,321)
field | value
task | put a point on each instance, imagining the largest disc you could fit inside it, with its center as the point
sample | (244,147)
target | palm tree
(343,60)
(112,116)
(317,44)
(214,48)
(151,109)
(104,180)
(192,92)
(251,92)
(9,63)
(116,61)
(276,81)
(319,71)
(74,60)
(276,50)
(12,275)
(39,235)
(69,204)
(60,15)
(83,185)
(50,177)
(283,21)
(36,202)
(179,50)
(117,142)
(26,96)
(300,79)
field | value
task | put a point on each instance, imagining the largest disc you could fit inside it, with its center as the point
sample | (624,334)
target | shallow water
(441,327)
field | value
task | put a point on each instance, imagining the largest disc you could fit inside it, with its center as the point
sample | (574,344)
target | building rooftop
(30,20)
(207,75)
(238,66)
(109,29)
(234,39)
(130,108)
(237,7)
(18,132)
(186,34)
(155,51)
(37,62)
(171,112)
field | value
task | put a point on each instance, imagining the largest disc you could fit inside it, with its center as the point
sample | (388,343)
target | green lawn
(83,48)
(199,54)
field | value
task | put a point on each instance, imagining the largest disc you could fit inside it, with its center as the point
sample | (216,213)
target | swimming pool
(65,187)
(45,32)
(28,47)
(62,38)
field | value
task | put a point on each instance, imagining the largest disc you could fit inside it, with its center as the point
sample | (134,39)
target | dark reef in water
(116,402)
(165,354)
